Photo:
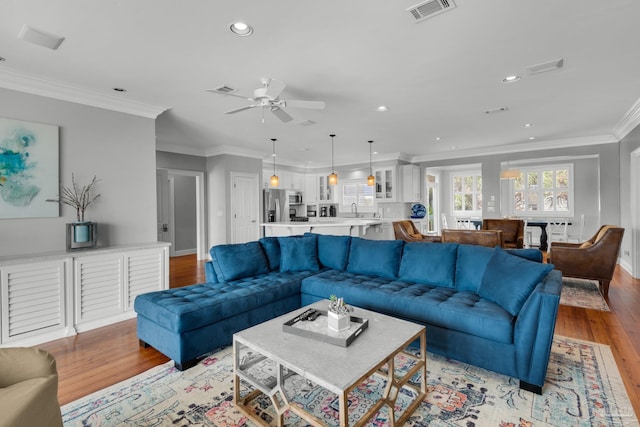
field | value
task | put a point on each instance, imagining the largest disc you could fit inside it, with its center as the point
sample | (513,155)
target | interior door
(245,200)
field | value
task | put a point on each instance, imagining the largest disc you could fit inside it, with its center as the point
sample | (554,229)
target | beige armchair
(28,388)
(407,231)
(512,230)
(593,259)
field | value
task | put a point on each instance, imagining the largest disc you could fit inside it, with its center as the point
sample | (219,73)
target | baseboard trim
(186,252)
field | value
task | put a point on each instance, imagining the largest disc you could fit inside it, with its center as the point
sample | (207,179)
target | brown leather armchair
(407,231)
(512,230)
(593,259)
(490,238)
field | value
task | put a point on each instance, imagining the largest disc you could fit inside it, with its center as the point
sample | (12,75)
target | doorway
(169,207)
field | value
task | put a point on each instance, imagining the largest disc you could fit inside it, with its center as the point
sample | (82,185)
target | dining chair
(557,230)
(577,237)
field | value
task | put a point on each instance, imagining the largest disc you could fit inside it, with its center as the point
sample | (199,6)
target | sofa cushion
(430,263)
(509,280)
(235,261)
(192,307)
(375,257)
(530,254)
(470,266)
(271,248)
(299,253)
(436,305)
(333,251)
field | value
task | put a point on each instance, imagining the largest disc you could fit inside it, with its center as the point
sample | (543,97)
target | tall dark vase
(82,235)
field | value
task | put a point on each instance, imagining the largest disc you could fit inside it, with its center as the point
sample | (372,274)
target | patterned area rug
(583,388)
(582,293)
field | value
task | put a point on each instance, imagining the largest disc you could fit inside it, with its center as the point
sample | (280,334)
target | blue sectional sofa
(488,307)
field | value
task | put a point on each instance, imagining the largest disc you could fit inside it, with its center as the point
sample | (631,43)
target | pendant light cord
(273,140)
(332,168)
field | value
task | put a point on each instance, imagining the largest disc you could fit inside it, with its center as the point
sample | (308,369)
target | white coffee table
(335,368)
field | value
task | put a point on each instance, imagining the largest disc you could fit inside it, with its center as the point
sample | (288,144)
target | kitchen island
(343,227)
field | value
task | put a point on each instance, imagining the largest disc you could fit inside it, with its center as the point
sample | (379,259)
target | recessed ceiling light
(511,79)
(531,138)
(382,108)
(119,89)
(2,59)
(437,138)
(241,29)
(375,152)
(527,125)
(453,147)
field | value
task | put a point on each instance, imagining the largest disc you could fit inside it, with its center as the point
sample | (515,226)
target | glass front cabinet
(385,184)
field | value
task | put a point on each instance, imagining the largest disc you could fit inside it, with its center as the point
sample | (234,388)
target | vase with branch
(82,233)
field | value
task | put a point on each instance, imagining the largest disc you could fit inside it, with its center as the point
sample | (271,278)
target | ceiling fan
(268,96)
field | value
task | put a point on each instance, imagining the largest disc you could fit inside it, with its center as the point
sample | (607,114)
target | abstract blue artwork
(28,169)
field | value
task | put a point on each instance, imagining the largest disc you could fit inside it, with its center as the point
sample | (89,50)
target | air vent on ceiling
(496,110)
(427,9)
(307,123)
(224,89)
(545,66)
(39,37)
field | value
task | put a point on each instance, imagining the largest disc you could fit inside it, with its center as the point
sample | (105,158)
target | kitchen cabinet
(325,191)
(411,183)
(310,194)
(386,185)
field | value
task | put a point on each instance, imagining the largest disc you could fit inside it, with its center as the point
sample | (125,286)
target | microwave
(294,197)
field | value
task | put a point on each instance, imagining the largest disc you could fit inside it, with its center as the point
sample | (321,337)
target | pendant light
(371,180)
(333,178)
(274,181)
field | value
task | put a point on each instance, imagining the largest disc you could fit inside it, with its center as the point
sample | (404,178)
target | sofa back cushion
(235,261)
(299,253)
(509,280)
(375,257)
(470,266)
(333,251)
(271,248)
(429,263)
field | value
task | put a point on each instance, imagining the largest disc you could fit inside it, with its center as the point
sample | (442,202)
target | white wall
(119,148)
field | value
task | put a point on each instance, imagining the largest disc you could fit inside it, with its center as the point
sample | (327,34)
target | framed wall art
(28,169)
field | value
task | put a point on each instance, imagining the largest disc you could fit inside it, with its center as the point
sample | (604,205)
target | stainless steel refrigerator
(276,205)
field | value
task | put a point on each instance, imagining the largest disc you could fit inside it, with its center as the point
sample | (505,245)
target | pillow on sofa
(299,253)
(271,248)
(333,251)
(470,266)
(239,260)
(429,263)
(509,280)
(375,257)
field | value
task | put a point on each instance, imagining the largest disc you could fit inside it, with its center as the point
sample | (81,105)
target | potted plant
(338,314)
(81,233)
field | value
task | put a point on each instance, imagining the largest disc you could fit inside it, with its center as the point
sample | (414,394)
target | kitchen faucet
(354,207)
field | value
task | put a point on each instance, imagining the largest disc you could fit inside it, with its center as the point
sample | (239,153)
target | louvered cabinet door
(144,273)
(99,284)
(33,299)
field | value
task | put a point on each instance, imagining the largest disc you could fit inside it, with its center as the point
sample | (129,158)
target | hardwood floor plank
(96,359)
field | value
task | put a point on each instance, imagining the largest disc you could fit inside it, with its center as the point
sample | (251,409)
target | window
(545,190)
(467,194)
(357,192)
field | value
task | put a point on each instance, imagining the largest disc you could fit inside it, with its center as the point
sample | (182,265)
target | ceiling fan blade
(314,105)
(237,110)
(281,114)
(274,88)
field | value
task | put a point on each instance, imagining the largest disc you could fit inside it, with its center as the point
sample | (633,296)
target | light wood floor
(96,359)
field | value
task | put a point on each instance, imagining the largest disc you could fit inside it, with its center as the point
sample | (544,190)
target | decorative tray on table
(313,324)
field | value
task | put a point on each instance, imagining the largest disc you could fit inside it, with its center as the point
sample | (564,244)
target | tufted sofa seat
(486,306)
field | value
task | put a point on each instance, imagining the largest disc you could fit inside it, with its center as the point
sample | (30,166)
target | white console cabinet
(53,295)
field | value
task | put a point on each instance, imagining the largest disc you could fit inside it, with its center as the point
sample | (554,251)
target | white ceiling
(437,77)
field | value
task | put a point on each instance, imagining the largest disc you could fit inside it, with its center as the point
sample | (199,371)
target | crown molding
(180,149)
(51,89)
(518,148)
(628,122)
